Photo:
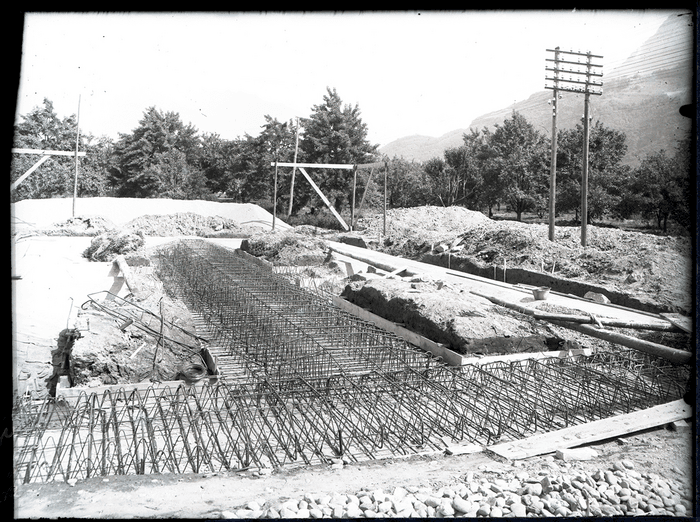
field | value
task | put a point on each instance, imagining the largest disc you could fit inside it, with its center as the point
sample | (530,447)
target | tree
(143,156)
(517,164)
(256,154)
(660,188)
(94,167)
(442,183)
(334,133)
(606,150)
(216,161)
(42,129)
(407,184)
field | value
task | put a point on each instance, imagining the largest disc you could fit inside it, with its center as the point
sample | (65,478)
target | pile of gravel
(618,491)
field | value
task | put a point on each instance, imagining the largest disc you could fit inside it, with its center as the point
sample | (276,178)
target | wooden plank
(594,431)
(325,200)
(450,357)
(24,176)
(397,271)
(511,357)
(47,152)
(344,166)
(680,321)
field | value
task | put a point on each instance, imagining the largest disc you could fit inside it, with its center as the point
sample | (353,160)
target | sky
(409,72)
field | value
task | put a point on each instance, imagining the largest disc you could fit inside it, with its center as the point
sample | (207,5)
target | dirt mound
(113,351)
(109,245)
(451,316)
(429,222)
(188,224)
(642,265)
(286,248)
(80,226)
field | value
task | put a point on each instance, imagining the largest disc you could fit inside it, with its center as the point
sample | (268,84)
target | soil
(53,272)
(653,267)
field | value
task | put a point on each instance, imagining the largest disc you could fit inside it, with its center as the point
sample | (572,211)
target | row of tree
(509,165)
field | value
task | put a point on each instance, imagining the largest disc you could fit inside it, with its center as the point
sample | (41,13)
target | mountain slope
(641,98)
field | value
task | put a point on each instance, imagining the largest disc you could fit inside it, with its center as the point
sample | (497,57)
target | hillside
(641,98)
(423,148)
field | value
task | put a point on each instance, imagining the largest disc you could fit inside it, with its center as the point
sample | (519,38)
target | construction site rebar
(302,381)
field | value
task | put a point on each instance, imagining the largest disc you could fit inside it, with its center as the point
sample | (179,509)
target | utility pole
(581,79)
(553,163)
(274,196)
(294,169)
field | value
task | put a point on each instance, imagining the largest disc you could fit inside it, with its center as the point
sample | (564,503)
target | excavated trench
(301,381)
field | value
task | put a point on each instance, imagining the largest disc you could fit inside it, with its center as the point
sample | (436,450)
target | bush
(320,219)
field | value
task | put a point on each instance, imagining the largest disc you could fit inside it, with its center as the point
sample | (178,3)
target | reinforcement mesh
(302,381)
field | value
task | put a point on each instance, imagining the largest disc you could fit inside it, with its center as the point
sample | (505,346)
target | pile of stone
(618,491)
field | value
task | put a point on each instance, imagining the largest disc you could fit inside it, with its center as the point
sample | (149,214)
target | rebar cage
(302,381)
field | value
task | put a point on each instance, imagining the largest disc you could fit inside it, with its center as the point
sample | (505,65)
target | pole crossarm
(48,152)
(315,165)
(575,53)
(581,78)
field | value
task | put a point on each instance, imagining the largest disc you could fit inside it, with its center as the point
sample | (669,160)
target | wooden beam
(679,321)
(375,165)
(119,265)
(316,165)
(24,176)
(325,200)
(48,152)
(513,357)
(450,357)
(396,272)
(595,431)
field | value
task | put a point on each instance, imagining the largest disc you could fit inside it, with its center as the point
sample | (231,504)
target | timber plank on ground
(681,321)
(595,431)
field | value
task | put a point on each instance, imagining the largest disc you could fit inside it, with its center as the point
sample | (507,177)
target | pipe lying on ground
(583,319)
(614,323)
(671,354)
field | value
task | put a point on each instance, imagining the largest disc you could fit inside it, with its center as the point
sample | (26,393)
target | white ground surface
(40,213)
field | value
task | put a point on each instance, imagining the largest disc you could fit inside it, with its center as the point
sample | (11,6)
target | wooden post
(584,176)
(352,208)
(294,170)
(77,142)
(553,166)
(362,199)
(274,199)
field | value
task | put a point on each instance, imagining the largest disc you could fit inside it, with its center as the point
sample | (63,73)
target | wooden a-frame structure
(344,166)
